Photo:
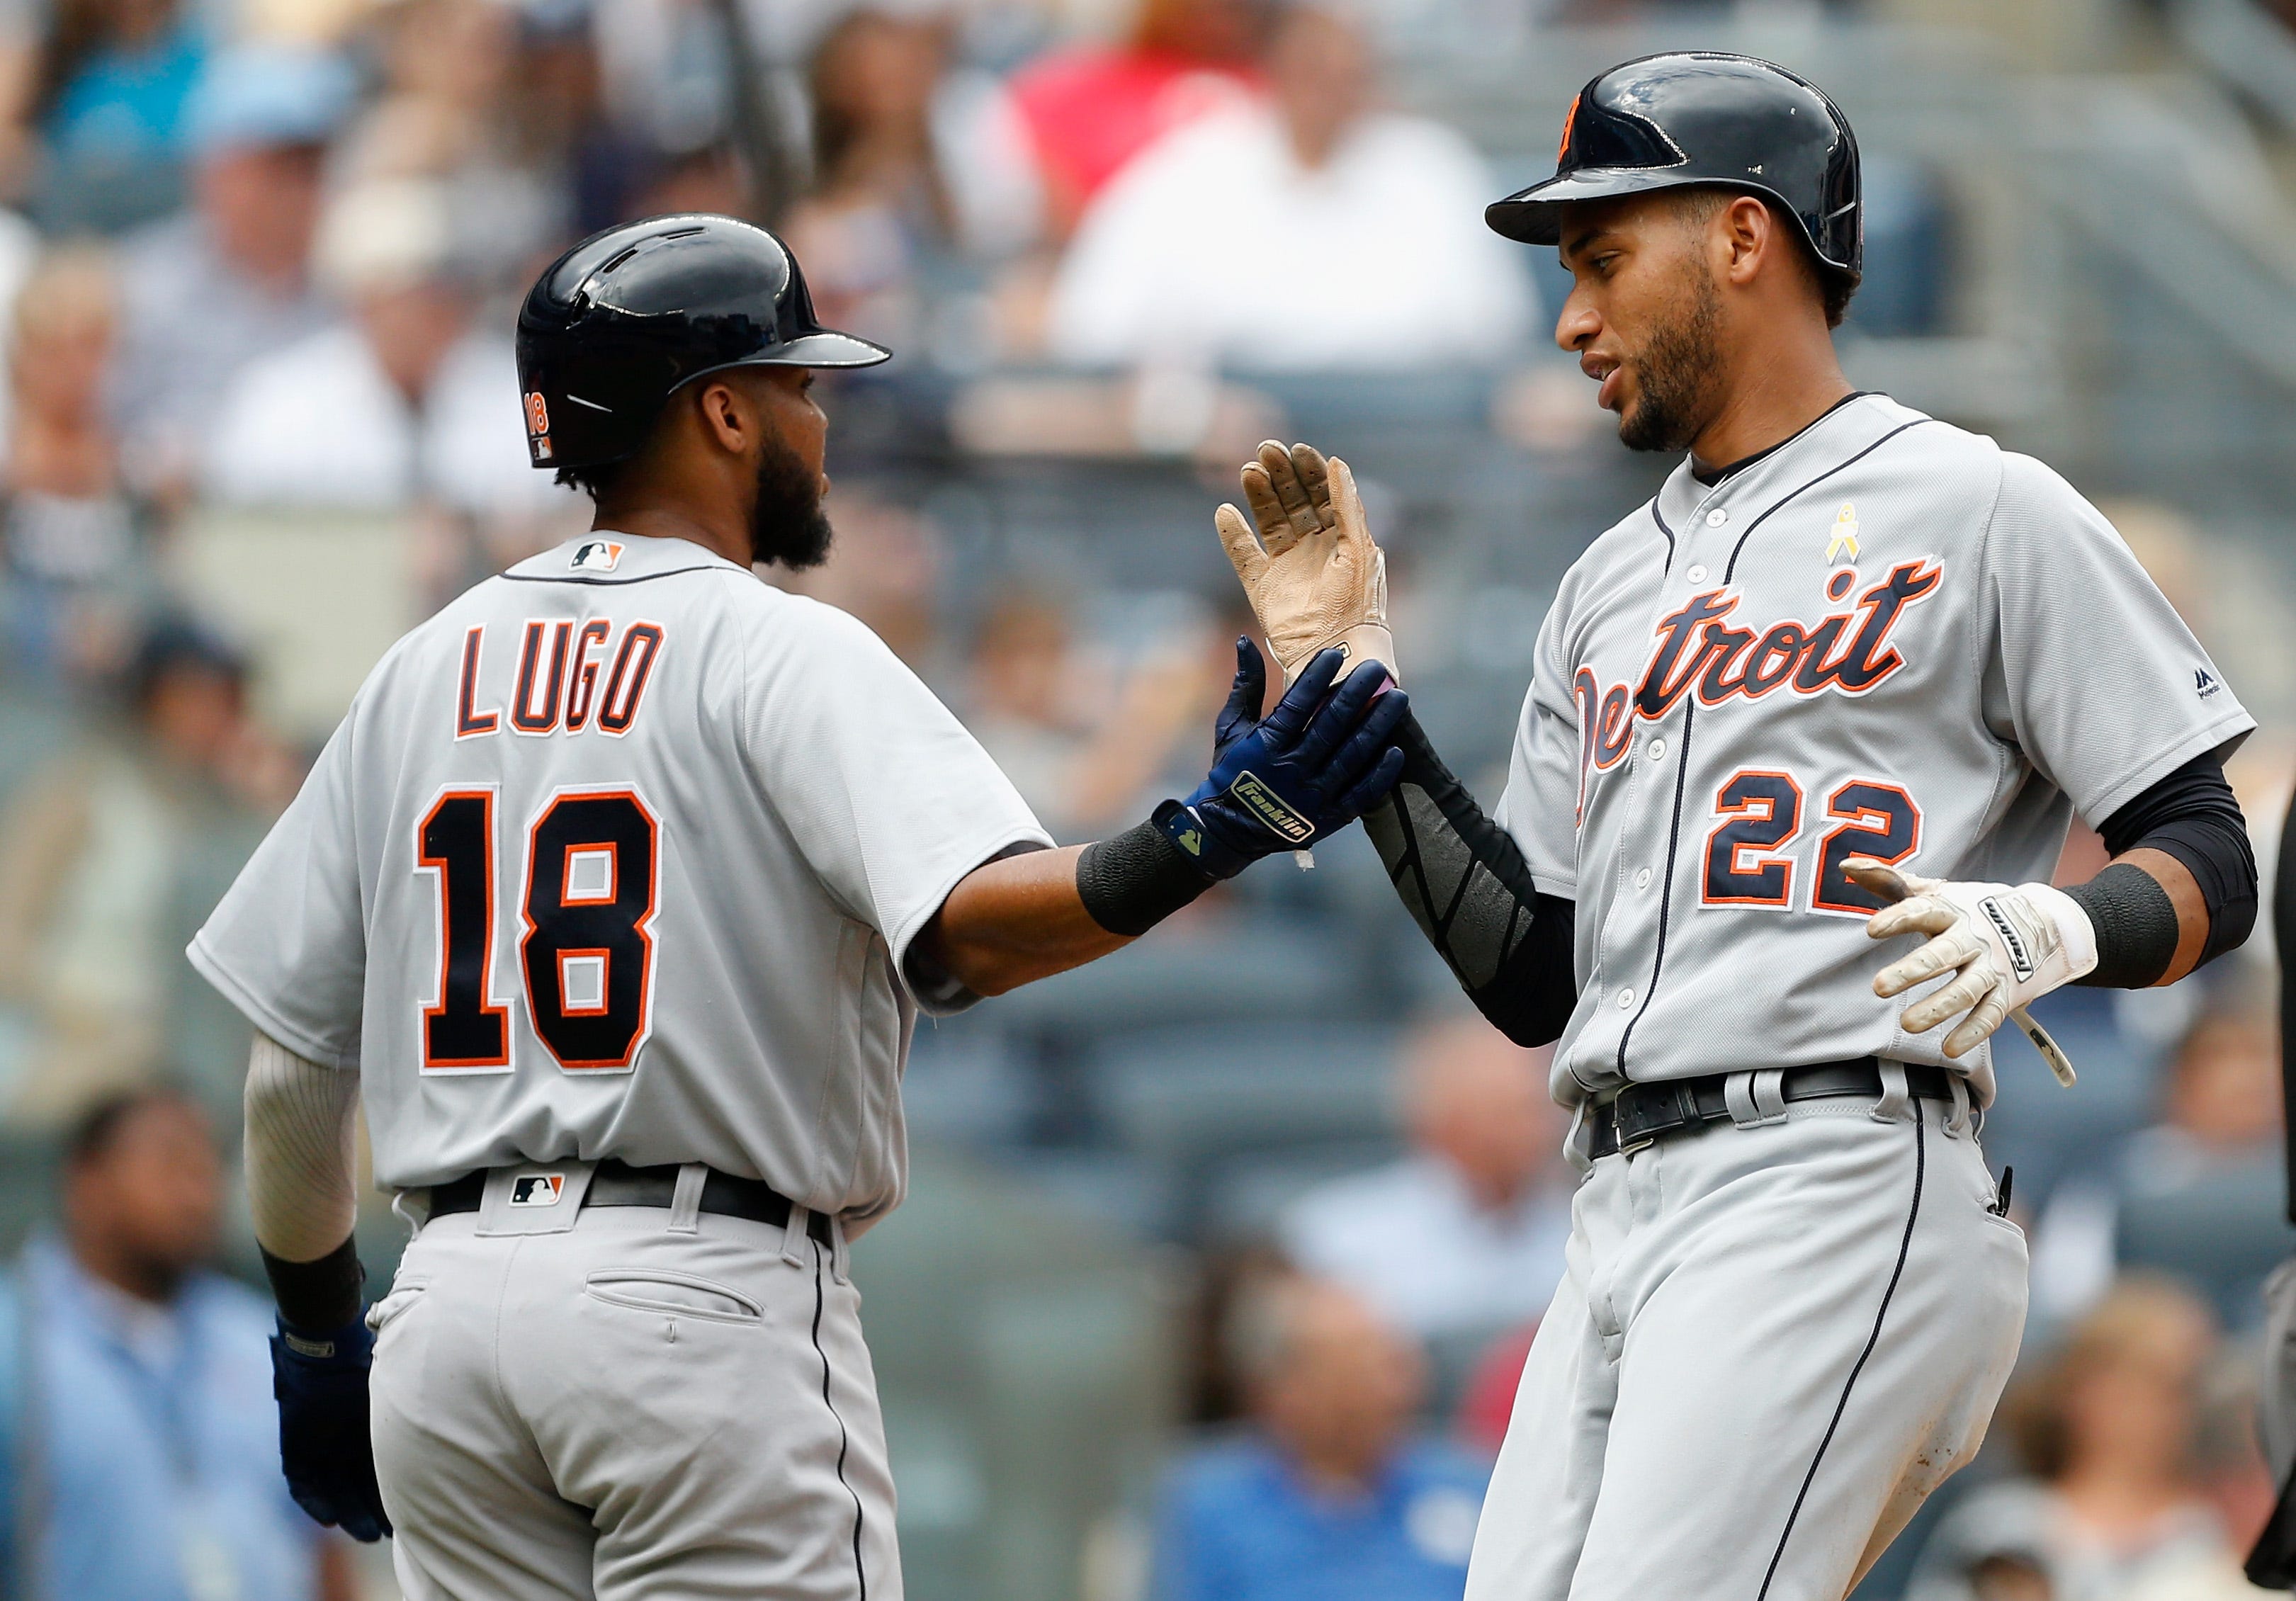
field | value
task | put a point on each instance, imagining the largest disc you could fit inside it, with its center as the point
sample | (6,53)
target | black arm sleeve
(316,1297)
(2191,816)
(1468,887)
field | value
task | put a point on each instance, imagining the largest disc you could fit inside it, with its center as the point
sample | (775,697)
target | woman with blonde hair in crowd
(76,539)
(2116,1496)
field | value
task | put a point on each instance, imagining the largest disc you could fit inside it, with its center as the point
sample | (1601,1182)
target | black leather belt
(1643,1112)
(619,1184)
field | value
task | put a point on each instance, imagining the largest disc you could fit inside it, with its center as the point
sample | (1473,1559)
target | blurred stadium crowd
(1222,1255)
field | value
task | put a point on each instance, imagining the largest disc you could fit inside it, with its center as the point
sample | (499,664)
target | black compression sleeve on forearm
(316,1297)
(1468,887)
(2192,817)
(1131,882)
(2135,925)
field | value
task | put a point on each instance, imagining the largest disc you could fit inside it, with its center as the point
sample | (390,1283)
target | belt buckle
(1651,1117)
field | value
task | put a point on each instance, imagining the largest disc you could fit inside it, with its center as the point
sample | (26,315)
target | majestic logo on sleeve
(1695,649)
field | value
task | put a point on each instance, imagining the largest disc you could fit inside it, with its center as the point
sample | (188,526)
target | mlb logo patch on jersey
(597,555)
(537,1189)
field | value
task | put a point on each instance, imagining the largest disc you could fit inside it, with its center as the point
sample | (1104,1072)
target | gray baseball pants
(1773,1343)
(601,1403)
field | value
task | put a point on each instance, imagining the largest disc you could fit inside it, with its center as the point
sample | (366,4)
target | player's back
(640,843)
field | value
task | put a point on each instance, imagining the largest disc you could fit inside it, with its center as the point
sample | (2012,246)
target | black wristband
(317,1297)
(1131,882)
(2135,925)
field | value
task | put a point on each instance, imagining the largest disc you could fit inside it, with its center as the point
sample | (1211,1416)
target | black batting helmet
(619,323)
(1697,117)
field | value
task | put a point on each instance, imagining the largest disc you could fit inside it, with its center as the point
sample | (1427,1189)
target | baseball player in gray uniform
(1845,679)
(614,899)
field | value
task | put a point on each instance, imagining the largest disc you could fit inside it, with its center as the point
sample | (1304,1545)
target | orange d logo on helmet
(1570,122)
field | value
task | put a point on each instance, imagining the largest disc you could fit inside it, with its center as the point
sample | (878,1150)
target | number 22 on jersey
(585,948)
(1759,815)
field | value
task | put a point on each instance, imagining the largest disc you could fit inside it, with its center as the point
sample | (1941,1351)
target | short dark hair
(593,480)
(1835,286)
(98,1128)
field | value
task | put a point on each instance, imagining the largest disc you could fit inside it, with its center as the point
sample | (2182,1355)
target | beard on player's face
(1678,372)
(787,523)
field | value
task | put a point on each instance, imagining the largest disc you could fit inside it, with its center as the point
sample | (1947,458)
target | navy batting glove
(1306,770)
(320,1382)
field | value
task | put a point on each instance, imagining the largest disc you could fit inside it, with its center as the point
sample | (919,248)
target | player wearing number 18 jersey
(615,900)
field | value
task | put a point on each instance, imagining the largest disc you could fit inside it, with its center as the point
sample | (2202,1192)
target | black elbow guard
(1469,889)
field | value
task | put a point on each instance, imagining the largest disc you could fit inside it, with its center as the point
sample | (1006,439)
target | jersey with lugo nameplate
(620,855)
(1887,638)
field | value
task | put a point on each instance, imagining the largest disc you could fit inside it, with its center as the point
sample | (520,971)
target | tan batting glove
(1312,573)
(2007,947)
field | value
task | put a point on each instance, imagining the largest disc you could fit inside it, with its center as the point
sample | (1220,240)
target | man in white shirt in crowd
(1314,232)
(406,403)
(1464,1236)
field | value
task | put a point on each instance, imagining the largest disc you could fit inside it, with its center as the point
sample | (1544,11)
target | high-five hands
(1285,781)
(1313,574)
(2006,945)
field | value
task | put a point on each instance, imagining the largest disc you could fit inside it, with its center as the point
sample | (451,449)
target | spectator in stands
(117,853)
(1327,1497)
(2198,1193)
(2107,1433)
(448,112)
(2230,1471)
(913,161)
(1315,232)
(560,131)
(1081,751)
(229,279)
(408,402)
(1464,1236)
(155,1446)
(1091,109)
(105,101)
(76,538)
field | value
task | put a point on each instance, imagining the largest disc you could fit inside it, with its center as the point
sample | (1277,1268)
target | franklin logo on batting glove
(2005,947)
(1310,767)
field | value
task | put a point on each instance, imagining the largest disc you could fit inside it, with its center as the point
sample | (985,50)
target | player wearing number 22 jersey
(1848,678)
(614,901)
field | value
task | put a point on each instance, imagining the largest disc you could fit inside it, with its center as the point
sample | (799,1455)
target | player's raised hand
(2005,946)
(1306,770)
(1307,559)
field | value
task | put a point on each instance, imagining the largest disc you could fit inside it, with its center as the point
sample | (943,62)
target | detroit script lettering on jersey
(1847,652)
(557,688)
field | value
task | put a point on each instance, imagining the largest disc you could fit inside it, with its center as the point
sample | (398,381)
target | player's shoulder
(2027,481)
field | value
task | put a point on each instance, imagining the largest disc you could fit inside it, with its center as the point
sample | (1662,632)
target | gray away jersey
(620,855)
(1888,638)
